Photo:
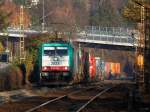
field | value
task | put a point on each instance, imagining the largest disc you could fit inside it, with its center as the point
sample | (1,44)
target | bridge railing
(109,35)
(108,30)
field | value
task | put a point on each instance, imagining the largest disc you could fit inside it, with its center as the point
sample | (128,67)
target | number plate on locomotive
(55,63)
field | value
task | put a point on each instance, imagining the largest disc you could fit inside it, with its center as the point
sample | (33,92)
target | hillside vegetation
(71,13)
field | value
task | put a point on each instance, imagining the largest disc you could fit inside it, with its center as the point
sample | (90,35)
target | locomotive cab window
(49,51)
(62,51)
(55,51)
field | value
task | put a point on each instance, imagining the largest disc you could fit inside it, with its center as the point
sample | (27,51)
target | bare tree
(61,14)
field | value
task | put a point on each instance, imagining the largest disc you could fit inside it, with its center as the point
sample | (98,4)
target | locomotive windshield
(55,51)
(49,52)
(61,51)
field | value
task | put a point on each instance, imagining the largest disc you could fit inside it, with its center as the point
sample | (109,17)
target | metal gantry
(141,46)
(21,39)
(147,49)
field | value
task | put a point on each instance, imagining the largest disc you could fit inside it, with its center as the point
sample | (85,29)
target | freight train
(64,63)
(56,62)
(61,62)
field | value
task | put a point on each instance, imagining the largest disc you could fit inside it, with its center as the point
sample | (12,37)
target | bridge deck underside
(106,46)
(107,39)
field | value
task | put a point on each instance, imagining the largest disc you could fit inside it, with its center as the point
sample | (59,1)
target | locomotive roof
(56,44)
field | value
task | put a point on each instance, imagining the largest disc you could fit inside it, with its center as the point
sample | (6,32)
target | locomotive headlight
(66,68)
(91,67)
(45,68)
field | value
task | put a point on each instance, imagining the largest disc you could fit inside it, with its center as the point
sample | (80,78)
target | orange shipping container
(118,68)
(113,70)
(140,60)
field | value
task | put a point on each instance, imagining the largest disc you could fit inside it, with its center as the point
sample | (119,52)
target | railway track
(18,95)
(94,97)
(21,104)
(81,98)
(71,102)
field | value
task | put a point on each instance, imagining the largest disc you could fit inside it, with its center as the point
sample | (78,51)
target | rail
(63,96)
(82,107)
(50,101)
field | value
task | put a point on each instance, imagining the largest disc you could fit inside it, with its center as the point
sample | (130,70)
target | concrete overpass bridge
(116,36)
(110,36)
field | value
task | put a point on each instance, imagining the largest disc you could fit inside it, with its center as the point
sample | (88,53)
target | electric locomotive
(56,62)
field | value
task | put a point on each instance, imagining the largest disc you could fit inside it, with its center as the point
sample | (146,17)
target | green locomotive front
(56,62)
